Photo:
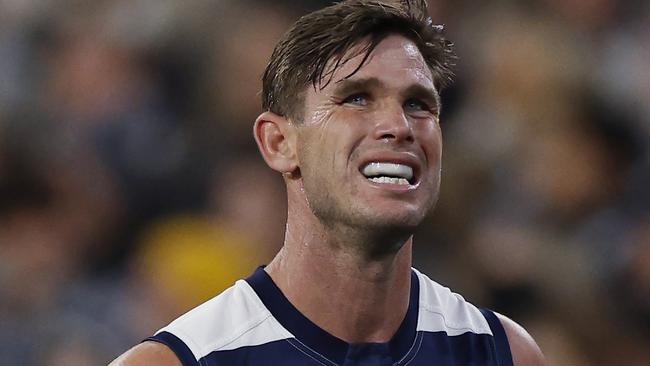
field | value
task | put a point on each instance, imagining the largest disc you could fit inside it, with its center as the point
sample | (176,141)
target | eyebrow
(346,86)
(428,95)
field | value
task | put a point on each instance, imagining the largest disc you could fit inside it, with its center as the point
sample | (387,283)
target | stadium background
(131,189)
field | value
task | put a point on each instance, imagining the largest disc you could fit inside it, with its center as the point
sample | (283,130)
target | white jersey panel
(233,319)
(442,310)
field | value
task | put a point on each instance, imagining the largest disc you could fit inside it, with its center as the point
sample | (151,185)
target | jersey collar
(321,341)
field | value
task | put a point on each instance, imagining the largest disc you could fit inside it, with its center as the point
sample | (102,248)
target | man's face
(370,146)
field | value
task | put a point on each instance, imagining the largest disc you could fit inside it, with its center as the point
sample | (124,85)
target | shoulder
(441,309)
(147,353)
(233,319)
(524,349)
(444,310)
(234,316)
(206,328)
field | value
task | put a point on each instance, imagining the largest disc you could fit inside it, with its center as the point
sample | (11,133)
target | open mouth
(389,173)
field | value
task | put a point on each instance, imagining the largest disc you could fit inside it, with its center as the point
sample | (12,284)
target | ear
(275,137)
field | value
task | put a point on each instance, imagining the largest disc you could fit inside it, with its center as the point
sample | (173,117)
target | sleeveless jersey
(252,323)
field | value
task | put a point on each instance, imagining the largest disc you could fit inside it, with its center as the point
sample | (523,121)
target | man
(351,121)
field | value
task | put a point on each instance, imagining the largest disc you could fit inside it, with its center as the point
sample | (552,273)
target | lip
(405,158)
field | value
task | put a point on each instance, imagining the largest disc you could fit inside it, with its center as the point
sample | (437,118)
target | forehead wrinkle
(404,55)
(346,61)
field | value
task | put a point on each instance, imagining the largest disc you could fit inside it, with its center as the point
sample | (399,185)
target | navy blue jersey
(252,323)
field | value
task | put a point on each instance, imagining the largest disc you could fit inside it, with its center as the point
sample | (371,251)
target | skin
(346,235)
(348,241)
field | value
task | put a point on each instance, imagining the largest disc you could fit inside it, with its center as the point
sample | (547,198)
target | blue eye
(415,105)
(358,99)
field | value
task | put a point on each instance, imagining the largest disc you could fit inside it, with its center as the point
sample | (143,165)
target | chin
(405,221)
(397,214)
(381,214)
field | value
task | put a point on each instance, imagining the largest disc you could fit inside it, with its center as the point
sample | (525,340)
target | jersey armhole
(179,347)
(502,347)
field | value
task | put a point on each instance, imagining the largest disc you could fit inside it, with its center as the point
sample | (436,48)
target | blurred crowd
(131,189)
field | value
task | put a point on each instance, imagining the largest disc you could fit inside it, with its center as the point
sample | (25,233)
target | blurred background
(131,189)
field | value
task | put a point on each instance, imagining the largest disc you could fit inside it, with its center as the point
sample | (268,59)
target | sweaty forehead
(395,63)
(412,50)
(395,55)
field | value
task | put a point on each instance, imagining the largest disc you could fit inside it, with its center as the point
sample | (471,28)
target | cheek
(330,138)
(342,132)
(319,153)
(430,139)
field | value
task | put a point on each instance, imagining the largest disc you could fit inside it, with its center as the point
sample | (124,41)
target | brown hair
(314,47)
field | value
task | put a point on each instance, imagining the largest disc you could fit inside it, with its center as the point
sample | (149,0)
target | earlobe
(275,138)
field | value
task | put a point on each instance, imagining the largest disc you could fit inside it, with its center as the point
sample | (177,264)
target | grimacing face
(370,146)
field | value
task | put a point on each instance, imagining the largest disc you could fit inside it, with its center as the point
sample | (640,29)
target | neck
(324,277)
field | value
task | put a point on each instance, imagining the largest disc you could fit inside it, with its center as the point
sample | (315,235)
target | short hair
(312,50)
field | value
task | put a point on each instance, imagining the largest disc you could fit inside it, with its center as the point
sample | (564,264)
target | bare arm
(146,354)
(524,349)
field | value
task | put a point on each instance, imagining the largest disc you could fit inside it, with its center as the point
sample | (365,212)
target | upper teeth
(375,169)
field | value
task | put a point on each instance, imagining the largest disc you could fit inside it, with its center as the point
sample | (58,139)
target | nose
(393,124)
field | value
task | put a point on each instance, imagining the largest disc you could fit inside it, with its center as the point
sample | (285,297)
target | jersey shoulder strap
(501,345)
